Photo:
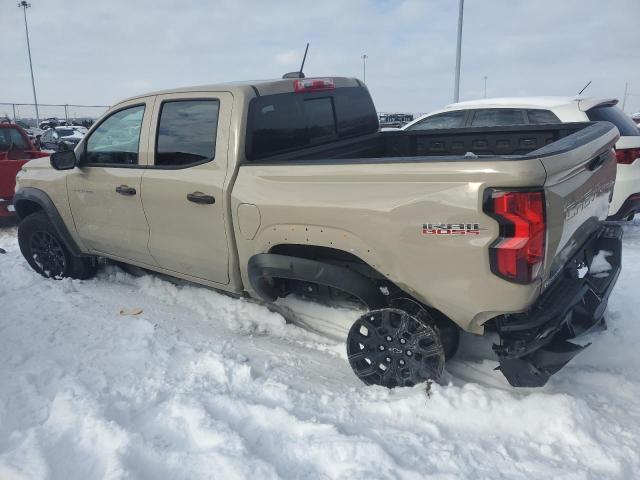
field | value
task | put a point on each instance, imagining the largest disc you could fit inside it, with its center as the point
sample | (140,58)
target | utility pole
(485,86)
(626,92)
(364,67)
(24,5)
(456,91)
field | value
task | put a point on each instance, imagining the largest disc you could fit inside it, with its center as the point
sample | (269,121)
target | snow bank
(201,385)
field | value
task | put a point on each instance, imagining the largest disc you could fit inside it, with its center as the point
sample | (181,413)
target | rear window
(65,132)
(616,116)
(291,121)
(497,117)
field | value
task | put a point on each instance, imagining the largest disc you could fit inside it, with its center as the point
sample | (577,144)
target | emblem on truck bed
(451,229)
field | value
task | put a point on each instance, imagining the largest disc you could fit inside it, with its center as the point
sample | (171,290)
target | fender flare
(264,266)
(35,195)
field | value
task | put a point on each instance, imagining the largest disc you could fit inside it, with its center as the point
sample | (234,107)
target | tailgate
(581,171)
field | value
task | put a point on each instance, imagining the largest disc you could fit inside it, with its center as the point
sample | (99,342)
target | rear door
(183,187)
(104,192)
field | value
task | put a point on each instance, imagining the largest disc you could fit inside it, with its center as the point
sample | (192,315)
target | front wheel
(47,254)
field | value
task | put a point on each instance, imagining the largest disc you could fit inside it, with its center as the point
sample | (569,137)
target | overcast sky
(98,52)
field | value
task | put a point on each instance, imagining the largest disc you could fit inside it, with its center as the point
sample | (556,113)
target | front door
(104,192)
(183,186)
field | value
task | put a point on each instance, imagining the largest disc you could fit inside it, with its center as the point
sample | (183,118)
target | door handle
(199,197)
(126,190)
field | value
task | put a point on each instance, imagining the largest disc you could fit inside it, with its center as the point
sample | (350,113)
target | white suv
(544,110)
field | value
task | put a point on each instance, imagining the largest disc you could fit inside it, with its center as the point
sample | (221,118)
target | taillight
(313,84)
(518,254)
(626,156)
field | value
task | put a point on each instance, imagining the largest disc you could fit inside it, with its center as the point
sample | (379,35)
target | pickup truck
(15,150)
(273,188)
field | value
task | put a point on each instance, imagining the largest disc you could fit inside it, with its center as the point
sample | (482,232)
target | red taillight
(518,254)
(313,84)
(626,156)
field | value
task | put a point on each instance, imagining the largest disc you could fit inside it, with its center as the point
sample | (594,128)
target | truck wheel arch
(300,262)
(30,200)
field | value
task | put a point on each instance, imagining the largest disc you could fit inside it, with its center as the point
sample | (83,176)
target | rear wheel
(394,348)
(46,253)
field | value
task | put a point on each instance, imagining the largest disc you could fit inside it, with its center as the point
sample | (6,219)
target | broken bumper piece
(534,345)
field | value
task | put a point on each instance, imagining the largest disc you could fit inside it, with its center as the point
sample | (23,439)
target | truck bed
(454,144)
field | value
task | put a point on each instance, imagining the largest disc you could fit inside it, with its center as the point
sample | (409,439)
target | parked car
(287,187)
(34,133)
(15,150)
(62,138)
(51,122)
(550,110)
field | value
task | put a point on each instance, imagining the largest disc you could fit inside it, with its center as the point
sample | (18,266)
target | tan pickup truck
(267,189)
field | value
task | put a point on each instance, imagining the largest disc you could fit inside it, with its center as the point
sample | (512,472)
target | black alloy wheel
(394,348)
(48,254)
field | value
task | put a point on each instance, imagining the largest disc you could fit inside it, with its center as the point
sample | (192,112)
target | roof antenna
(299,73)
(584,88)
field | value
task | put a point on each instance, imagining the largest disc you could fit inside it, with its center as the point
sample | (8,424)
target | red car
(15,150)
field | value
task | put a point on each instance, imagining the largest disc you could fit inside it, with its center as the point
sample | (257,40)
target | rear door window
(443,120)
(497,117)
(287,122)
(616,116)
(187,132)
(542,117)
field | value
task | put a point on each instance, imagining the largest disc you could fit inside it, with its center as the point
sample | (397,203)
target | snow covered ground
(200,385)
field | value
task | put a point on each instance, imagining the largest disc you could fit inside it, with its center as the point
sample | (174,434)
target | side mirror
(64,160)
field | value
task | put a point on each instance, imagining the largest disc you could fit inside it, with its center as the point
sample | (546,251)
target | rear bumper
(534,345)
(631,206)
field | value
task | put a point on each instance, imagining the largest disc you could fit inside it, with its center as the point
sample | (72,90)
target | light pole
(485,86)
(24,5)
(456,90)
(364,67)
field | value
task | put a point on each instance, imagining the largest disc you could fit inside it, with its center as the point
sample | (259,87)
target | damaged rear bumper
(534,345)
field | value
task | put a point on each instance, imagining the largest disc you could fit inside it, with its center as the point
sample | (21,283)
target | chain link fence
(68,113)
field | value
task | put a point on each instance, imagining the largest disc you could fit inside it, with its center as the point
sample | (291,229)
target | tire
(46,252)
(394,348)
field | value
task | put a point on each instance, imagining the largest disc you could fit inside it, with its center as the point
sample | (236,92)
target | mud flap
(534,370)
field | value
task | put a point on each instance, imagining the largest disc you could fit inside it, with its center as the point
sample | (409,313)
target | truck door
(183,186)
(104,192)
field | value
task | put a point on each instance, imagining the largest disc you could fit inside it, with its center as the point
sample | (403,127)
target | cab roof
(252,87)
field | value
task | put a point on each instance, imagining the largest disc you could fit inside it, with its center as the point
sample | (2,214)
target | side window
(444,120)
(17,140)
(497,117)
(116,140)
(187,132)
(10,138)
(540,117)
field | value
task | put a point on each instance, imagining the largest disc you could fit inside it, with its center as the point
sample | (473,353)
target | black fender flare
(35,195)
(264,266)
